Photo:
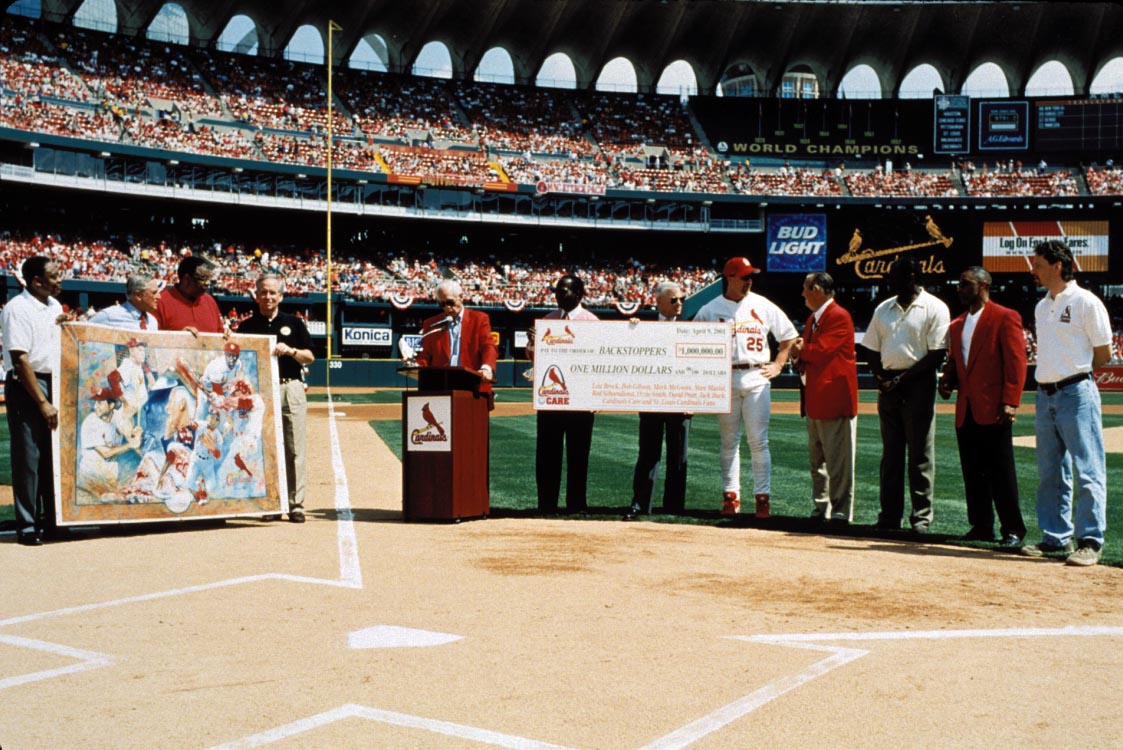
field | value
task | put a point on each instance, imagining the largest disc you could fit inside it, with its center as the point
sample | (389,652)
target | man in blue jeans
(1073,339)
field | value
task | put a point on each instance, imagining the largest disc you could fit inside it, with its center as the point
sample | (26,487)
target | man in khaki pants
(293,352)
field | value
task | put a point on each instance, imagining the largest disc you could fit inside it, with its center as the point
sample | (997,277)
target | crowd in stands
(162,95)
(530,170)
(1104,181)
(397,108)
(30,66)
(785,181)
(524,119)
(275,94)
(202,139)
(999,184)
(377,276)
(906,183)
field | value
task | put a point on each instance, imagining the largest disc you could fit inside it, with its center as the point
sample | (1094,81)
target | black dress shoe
(30,540)
(1011,541)
(979,534)
(633,513)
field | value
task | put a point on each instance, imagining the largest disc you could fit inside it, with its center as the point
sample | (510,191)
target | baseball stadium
(369,171)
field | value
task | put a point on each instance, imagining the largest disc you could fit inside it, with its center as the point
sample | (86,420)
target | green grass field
(614,452)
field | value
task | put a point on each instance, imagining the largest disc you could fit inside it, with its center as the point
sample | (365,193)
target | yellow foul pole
(332,28)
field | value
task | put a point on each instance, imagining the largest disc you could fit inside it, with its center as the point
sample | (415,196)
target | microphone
(440,325)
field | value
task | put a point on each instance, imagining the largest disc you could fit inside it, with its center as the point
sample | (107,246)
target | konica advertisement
(797,243)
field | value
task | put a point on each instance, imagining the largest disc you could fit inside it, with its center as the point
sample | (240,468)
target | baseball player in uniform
(754,319)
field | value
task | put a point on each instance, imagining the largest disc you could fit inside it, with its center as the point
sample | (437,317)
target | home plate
(391,636)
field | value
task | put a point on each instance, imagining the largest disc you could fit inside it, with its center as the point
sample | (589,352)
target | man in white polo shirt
(754,318)
(1073,339)
(906,341)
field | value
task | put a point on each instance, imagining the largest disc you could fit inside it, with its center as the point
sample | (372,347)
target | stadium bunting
(628,308)
(514,305)
(401,301)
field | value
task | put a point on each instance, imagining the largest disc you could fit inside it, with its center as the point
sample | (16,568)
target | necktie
(144,321)
(454,342)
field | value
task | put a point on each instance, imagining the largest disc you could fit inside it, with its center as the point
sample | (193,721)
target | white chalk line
(691,733)
(354,711)
(350,576)
(86,660)
(350,572)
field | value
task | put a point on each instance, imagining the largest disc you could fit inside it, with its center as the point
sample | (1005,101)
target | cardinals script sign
(429,424)
(164,426)
(624,366)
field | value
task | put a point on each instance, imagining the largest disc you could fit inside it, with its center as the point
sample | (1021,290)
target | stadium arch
(370,53)
(496,66)
(618,74)
(238,36)
(860,82)
(921,83)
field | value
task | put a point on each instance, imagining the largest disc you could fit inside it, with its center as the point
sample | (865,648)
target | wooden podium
(445,446)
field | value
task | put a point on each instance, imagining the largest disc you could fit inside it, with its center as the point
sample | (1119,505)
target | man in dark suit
(829,399)
(668,299)
(460,337)
(988,367)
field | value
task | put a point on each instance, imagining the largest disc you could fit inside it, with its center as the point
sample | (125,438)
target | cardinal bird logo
(755,316)
(241,464)
(551,339)
(553,383)
(432,432)
(427,415)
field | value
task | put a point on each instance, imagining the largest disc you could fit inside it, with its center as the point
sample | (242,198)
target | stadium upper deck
(113,91)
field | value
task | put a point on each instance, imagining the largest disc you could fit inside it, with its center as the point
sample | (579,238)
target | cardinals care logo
(552,389)
(549,338)
(432,432)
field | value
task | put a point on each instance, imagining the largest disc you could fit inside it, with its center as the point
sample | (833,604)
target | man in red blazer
(459,337)
(988,367)
(829,399)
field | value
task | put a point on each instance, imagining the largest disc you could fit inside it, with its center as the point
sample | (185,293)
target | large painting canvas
(165,426)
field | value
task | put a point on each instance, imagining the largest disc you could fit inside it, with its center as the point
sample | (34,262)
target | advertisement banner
(163,426)
(797,243)
(1008,245)
(367,335)
(1003,126)
(1109,378)
(619,366)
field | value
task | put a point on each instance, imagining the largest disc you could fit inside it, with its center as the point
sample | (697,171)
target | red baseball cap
(738,267)
(232,348)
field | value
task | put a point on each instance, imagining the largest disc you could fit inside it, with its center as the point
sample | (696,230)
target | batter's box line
(86,660)
(839,656)
(355,711)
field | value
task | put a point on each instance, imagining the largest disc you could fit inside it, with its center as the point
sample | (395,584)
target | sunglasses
(746,277)
(675,300)
(449,303)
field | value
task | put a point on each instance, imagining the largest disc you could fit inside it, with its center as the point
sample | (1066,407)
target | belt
(746,367)
(1051,388)
(289,380)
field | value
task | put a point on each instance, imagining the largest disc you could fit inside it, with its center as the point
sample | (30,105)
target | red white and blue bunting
(628,308)
(514,305)
(401,301)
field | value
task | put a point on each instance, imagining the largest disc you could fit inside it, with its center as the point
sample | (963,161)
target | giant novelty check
(588,365)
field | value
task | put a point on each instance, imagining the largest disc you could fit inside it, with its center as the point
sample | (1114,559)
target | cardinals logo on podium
(432,432)
(552,390)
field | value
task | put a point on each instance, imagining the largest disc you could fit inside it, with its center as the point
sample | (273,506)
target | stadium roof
(713,36)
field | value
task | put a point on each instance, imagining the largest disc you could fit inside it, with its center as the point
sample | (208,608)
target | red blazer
(828,362)
(996,373)
(476,345)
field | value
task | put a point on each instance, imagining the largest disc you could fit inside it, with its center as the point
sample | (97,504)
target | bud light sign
(797,242)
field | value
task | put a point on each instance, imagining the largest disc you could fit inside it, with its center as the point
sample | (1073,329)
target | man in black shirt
(293,352)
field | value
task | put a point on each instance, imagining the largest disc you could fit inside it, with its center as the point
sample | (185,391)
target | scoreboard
(1078,125)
